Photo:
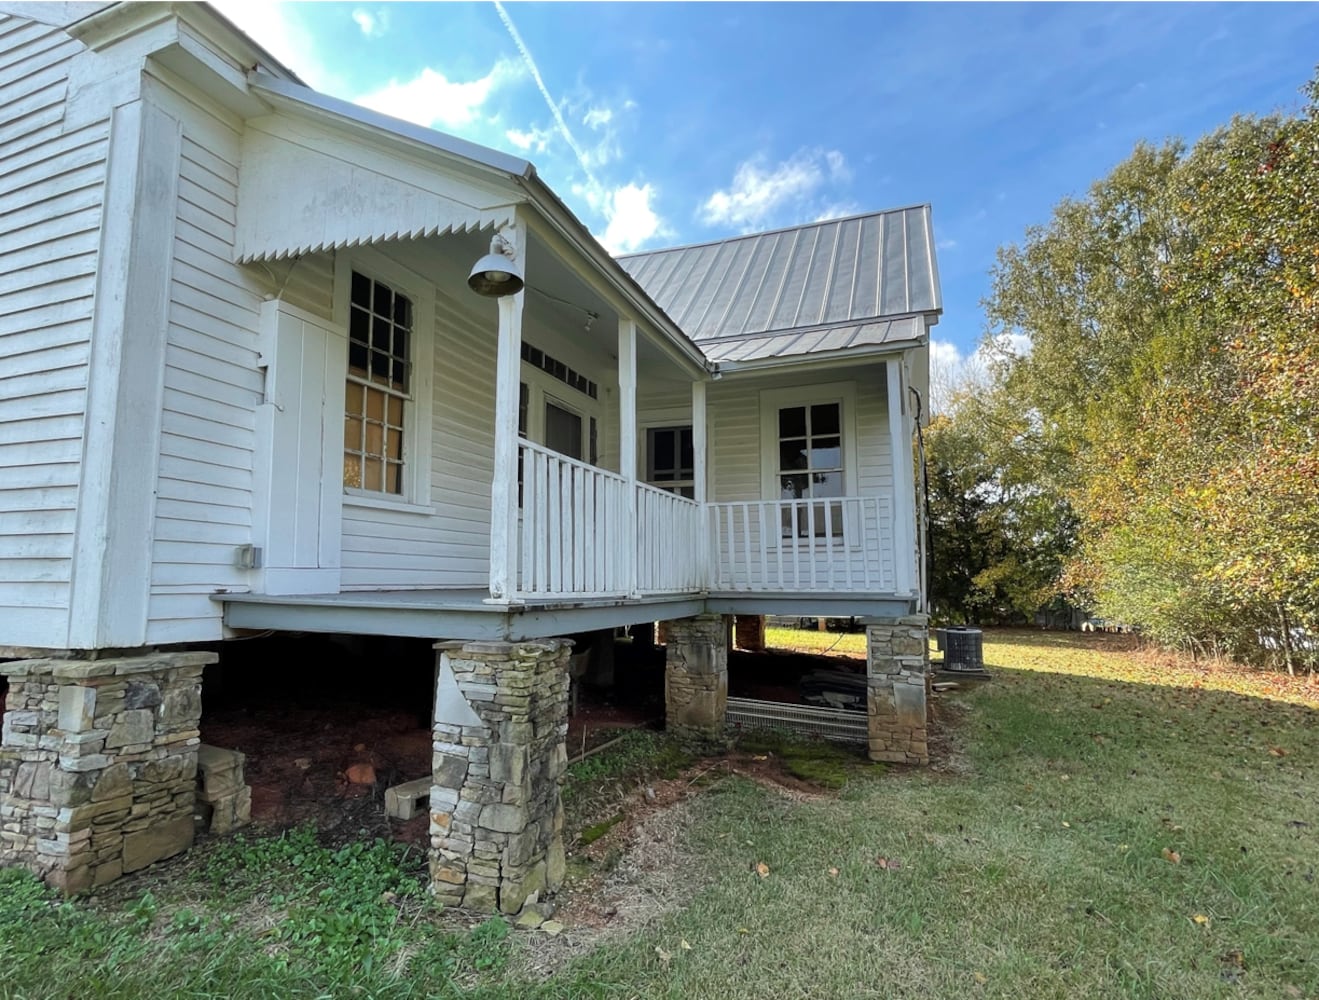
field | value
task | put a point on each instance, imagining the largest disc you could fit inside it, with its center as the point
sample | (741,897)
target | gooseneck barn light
(499,272)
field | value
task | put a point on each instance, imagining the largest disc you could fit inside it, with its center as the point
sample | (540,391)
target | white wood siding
(51,189)
(211,389)
(384,548)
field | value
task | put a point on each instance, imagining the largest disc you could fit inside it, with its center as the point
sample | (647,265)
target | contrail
(545,93)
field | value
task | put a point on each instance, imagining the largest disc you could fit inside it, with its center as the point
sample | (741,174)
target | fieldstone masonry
(696,676)
(897,664)
(224,798)
(501,718)
(98,764)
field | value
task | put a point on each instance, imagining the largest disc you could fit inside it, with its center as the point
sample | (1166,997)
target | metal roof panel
(837,273)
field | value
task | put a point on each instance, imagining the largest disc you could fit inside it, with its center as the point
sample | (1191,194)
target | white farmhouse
(271,361)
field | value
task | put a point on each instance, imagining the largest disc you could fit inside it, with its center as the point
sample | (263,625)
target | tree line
(1153,455)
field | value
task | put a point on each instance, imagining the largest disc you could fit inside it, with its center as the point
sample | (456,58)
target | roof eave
(522,172)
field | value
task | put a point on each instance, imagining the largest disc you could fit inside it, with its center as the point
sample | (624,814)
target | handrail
(576,540)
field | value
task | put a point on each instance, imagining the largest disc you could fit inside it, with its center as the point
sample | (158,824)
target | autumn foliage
(1168,406)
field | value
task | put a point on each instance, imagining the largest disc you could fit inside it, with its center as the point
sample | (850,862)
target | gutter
(876,352)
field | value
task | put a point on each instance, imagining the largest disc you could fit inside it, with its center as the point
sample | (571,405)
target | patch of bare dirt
(327,767)
(651,875)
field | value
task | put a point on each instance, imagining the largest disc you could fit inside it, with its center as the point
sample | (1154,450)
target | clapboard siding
(212,387)
(384,548)
(51,184)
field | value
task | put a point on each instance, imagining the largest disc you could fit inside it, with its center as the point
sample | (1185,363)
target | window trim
(773,400)
(418,430)
(670,485)
(649,418)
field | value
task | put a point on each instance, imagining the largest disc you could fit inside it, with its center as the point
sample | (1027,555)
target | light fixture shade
(496,275)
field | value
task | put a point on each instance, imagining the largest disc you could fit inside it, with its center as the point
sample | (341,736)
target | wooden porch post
(904,484)
(504,481)
(699,481)
(627,443)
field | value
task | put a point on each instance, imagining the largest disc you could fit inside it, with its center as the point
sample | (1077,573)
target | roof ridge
(775,232)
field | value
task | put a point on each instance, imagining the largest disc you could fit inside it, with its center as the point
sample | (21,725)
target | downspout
(926,527)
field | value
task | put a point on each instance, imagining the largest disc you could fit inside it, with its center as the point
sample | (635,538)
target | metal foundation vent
(838,725)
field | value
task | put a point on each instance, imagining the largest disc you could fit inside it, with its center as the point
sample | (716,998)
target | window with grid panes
(670,460)
(810,465)
(377,390)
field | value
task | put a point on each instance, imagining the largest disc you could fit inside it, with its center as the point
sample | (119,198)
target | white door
(298,503)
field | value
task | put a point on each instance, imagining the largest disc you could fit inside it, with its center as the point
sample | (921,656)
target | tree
(1170,399)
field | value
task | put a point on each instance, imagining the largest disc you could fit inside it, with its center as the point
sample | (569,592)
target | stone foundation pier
(750,633)
(897,665)
(696,676)
(98,764)
(496,817)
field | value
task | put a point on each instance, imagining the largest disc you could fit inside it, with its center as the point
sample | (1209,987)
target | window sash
(376,390)
(815,435)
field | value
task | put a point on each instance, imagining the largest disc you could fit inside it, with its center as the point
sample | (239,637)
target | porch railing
(835,544)
(575,534)
(671,545)
(576,539)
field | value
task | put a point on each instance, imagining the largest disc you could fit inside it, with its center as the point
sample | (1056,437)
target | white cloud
(372,25)
(759,191)
(597,118)
(951,371)
(632,218)
(432,99)
(532,140)
(837,210)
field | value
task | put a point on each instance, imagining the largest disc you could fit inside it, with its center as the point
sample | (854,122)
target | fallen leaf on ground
(760,756)
(684,945)
(833,872)
(1200,919)
(1277,752)
(981,978)
(762,869)
(889,864)
(1172,856)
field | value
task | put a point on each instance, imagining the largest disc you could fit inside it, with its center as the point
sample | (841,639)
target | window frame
(543,388)
(418,404)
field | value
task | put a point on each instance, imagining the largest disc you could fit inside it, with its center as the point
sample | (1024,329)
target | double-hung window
(809,456)
(378,389)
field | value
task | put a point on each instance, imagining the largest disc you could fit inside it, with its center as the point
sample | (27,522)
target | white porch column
(504,482)
(627,442)
(698,442)
(904,483)
(700,489)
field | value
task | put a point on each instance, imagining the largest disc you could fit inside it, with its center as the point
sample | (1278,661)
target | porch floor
(469,614)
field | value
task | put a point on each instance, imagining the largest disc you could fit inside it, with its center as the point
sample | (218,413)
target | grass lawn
(1099,822)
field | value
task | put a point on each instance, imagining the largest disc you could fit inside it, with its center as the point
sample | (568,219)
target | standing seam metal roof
(834,279)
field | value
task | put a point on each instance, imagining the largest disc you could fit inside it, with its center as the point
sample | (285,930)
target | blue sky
(662,124)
